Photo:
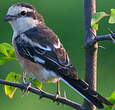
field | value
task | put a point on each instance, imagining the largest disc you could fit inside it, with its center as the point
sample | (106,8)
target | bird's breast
(39,72)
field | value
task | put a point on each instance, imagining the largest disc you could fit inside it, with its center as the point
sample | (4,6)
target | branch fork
(96,39)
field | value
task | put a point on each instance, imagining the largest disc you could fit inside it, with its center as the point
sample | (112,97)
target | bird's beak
(9,18)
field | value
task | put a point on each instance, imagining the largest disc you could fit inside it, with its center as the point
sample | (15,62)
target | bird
(41,53)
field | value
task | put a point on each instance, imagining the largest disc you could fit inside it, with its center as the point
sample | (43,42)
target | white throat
(23,24)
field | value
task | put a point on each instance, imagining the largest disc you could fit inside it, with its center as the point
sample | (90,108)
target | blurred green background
(65,17)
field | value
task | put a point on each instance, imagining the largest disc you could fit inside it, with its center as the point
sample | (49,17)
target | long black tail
(84,90)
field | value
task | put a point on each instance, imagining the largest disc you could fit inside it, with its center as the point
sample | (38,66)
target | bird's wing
(41,45)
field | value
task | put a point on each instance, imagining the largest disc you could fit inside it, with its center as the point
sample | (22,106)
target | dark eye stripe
(28,14)
(31,14)
(35,15)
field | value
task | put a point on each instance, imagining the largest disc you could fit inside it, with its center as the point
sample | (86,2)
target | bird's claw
(57,95)
(27,86)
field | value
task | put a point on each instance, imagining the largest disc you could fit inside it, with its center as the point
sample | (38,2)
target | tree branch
(44,94)
(91,52)
(100,38)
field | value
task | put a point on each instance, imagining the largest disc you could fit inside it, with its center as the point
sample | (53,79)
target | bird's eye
(23,13)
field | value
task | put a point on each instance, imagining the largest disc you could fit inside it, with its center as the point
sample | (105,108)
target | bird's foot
(57,94)
(26,90)
(27,82)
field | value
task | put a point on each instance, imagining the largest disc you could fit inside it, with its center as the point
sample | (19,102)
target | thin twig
(100,38)
(44,94)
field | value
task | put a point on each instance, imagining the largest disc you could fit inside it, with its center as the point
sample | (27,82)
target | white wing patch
(24,37)
(37,59)
(58,45)
(47,48)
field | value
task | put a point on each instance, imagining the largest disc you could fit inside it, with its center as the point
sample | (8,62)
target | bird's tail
(84,90)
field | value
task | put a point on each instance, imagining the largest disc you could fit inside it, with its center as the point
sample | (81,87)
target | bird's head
(22,17)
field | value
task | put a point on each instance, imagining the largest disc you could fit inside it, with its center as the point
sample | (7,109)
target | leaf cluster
(99,16)
(7,54)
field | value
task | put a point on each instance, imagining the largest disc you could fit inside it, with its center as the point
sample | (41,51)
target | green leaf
(97,17)
(95,26)
(6,49)
(112,100)
(112,17)
(37,84)
(6,53)
(10,90)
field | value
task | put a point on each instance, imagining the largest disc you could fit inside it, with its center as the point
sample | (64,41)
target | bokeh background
(66,18)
